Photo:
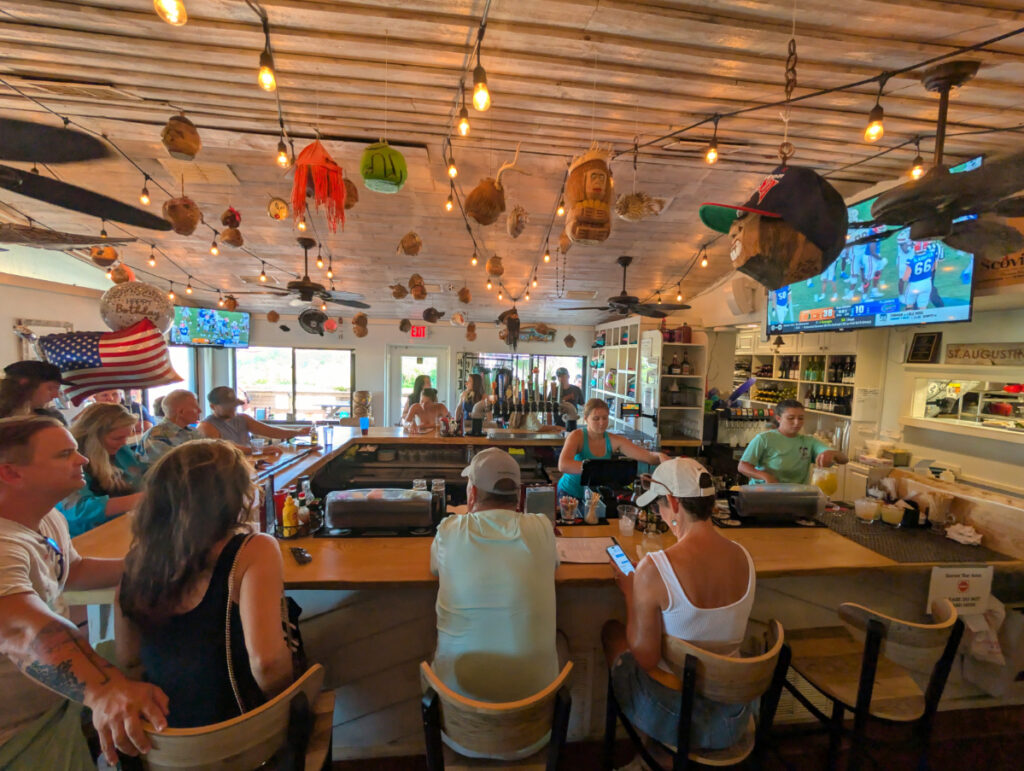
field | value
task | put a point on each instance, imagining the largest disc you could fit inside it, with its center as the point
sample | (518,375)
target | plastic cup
(257,443)
(627,519)
(364,426)
(327,432)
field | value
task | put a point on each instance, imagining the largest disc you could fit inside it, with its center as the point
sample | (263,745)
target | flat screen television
(888,283)
(210,327)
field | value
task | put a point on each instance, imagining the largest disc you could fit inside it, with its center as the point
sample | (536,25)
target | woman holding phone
(701,590)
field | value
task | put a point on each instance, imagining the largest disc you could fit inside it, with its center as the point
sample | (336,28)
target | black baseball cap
(42,371)
(798,195)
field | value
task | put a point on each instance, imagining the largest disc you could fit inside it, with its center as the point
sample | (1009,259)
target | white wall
(27,298)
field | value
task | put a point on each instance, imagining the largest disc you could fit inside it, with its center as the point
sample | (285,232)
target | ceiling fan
(962,210)
(624,304)
(304,290)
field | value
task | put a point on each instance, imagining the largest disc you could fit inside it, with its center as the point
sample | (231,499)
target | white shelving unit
(613,374)
(681,397)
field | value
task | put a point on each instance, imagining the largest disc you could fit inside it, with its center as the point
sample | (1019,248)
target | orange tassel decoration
(315,168)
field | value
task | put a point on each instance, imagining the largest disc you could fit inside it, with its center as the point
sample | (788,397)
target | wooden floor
(989,739)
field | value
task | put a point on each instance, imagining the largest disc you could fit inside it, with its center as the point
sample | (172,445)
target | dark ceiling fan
(305,289)
(624,304)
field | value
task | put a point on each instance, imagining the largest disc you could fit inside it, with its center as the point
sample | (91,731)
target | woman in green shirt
(784,454)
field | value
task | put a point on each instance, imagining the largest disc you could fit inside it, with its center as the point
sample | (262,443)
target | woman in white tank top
(700,589)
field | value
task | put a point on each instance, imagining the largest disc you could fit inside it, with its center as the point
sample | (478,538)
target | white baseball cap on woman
(679,477)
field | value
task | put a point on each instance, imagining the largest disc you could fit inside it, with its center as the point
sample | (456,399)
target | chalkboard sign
(925,348)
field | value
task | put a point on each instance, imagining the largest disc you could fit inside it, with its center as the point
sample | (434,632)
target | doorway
(405,364)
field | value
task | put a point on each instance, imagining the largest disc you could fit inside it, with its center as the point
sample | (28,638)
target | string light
(171,11)
(547,254)
(711,154)
(481,96)
(263,272)
(473,260)
(659,297)
(679,291)
(874,130)
(535,280)
(282,155)
(152,257)
(103,229)
(704,258)
(170,292)
(188,286)
(301,224)
(323,305)
(110,274)
(500,295)
(144,198)
(319,258)
(449,204)
(489,285)
(220,299)
(463,114)
(453,170)
(917,170)
(266,77)
(527,295)
(330,268)
(214,249)
(560,211)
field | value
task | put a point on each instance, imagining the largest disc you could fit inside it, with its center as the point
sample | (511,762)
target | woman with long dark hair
(29,387)
(193,560)
(473,393)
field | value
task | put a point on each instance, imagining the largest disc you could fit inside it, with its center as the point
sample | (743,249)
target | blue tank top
(570,484)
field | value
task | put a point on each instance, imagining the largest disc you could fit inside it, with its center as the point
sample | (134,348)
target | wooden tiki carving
(771,252)
(588,198)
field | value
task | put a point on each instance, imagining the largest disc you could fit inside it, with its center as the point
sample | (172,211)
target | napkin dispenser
(379,509)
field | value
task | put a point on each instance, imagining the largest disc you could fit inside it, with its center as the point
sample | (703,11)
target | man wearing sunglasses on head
(47,668)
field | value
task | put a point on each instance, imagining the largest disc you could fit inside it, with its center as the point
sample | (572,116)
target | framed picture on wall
(26,328)
(924,348)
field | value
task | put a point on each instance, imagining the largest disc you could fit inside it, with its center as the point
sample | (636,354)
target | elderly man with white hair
(181,412)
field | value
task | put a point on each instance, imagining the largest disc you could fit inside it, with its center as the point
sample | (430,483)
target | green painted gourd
(383,168)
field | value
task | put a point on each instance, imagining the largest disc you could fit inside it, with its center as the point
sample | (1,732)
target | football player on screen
(781,310)
(916,264)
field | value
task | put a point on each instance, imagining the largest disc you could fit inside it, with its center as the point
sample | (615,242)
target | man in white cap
(496,594)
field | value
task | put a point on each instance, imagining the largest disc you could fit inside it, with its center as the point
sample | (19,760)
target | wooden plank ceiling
(562,73)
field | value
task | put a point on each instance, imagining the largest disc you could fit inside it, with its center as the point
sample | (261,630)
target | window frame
(292,349)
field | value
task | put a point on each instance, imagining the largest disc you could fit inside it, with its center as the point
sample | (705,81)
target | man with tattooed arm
(47,668)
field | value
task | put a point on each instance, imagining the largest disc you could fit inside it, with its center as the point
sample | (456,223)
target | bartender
(595,442)
(784,454)
(567,392)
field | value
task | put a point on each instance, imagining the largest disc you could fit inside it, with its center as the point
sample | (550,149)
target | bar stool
(725,679)
(485,730)
(853,667)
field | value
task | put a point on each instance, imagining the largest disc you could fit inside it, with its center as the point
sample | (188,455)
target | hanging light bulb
(659,297)
(301,224)
(220,299)
(110,274)
(500,295)
(679,292)
(330,268)
(481,96)
(263,273)
(489,285)
(449,204)
(547,254)
(266,77)
(917,170)
(103,229)
(711,154)
(170,292)
(171,11)
(473,261)
(214,249)
(527,295)
(874,130)
(560,211)
(319,259)
(323,305)
(282,155)
(188,286)
(453,170)
(144,198)
(152,257)
(535,280)
(704,260)
(463,120)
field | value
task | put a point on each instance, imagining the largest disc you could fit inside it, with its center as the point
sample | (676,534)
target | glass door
(405,364)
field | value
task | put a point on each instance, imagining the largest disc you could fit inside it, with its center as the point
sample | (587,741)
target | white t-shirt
(29,564)
(495,604)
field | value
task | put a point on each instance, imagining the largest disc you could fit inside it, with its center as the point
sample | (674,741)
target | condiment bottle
(289,517)
(313,439)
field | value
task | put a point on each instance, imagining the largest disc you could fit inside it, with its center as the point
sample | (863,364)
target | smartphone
(301,556)
(620,559)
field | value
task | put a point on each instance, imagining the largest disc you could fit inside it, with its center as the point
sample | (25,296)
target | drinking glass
(257,443)
(627,519)
(364,426)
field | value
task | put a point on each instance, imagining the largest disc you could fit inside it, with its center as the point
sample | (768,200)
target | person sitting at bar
(428,413)
(784,454)
(421,382)
(29,387)
(701,590)
(192,558)
(113,475)
(567,392)
(595,441)
(47,667)
(118,396)
(181,412)
(468,399)
(496,589)
(226,422)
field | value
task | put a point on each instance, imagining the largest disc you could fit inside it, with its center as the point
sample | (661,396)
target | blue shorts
(654,709)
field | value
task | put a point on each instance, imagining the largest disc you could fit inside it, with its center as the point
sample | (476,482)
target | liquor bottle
(314,440)
(685,367)
(675,368)
(812,399)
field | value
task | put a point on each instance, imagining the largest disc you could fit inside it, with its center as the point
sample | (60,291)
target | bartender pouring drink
(784,454)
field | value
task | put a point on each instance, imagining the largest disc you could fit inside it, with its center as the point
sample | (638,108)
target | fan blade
(591,308)
(651,311)
(45,238)
(670,307)
(348,303)
(985,238)
(871,238)
(1011,207)
(38,143)
(272,294)
(78,199)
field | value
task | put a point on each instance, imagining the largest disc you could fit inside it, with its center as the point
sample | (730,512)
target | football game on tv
(210,327)
(879,284)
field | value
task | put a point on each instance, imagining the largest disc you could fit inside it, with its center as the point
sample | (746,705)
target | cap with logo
(491,470)
(223,395)
(802,198)
(681,478)
(42,371)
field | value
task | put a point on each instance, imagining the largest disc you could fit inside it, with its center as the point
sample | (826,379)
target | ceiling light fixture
(704,258)
(220,299)
(874,130)
(917,170)
(500,295)
(103,228)
(152,256)
(170,292)
(214,250)
(711,154)
(473,260)
(319,261)
(489,285)
(527,295)
(282,155)
(453,170)
(659,297)
(263,272)
(450,204)
(330,267)
(535,280)
(323,305)
(560,211)
(679,291)
(188,286)
(481,96)
(301,225)
(144,198)
(463,125)
(547,254)
(110,274)
(171,11)
(267,77)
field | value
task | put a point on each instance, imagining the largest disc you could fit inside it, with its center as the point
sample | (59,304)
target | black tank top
(185,655)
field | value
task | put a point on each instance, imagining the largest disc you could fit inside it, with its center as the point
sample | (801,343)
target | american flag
(135,357)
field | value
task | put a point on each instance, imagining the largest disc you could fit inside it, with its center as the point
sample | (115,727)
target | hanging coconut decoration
(465,296)
(432,314)
(471,331)
(273,317)
(404,325)
(569,341)
(315,168)
(104,256)
(183,214)
(588,197)
(231,303)
(398,291)
(637,206)
(486,201)
(360,321)
(516,221)
(417,287)
(232,237)
(181,138)
(410,244)
(351,194)
(494,267)
(231,218)
(121,274)
(383,168)
(458,319)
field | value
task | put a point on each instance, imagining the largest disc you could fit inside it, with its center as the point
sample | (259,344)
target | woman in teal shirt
(595,442)
(114,472)
(784,454)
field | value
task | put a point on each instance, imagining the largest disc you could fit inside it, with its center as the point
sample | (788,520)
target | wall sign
(420,332)
(991,273)
(985,354)
(925,348)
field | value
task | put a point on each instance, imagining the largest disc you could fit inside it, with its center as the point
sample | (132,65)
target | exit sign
(418,332)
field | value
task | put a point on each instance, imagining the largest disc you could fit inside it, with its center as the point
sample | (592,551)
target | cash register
(609,478)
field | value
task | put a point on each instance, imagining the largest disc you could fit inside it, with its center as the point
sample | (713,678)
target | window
(295,384)
(183,359)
